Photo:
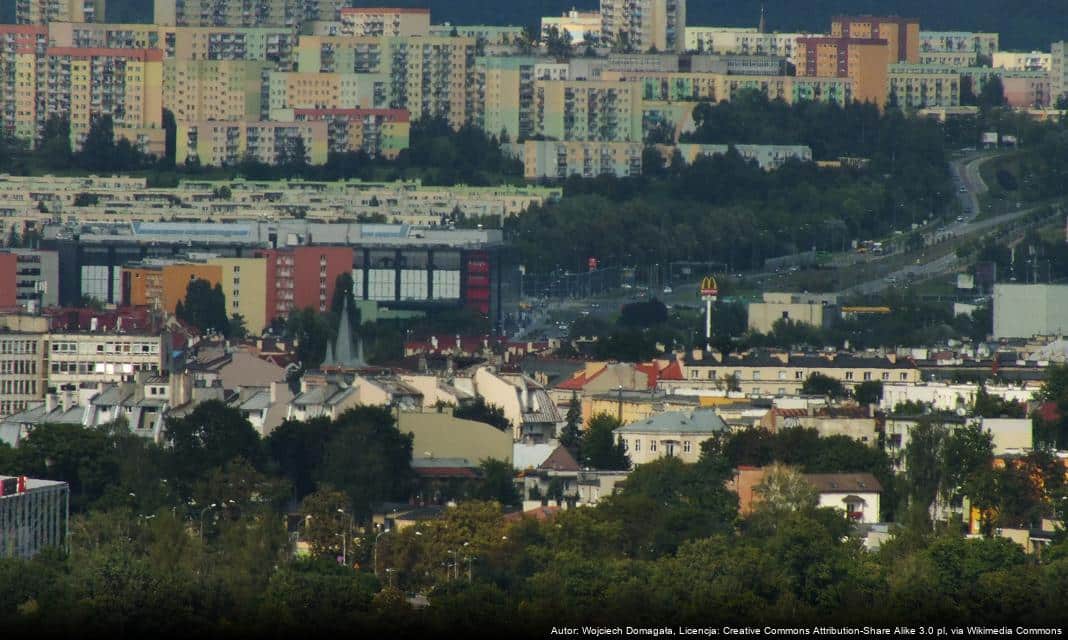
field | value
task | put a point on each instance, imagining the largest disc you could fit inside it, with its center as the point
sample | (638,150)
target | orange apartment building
(864,61)
(385,21)
(163,286)
(902,35)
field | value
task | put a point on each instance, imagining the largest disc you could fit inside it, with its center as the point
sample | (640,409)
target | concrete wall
(1025,310)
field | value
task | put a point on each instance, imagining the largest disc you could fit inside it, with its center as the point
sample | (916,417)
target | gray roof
(255,399)
(697,421)
(37,415)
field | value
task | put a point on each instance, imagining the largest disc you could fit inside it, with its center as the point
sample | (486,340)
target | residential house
(675,434)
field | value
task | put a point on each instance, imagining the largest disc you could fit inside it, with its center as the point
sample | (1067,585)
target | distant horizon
(1027,28)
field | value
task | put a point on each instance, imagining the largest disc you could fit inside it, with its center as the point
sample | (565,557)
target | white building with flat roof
(1026,310)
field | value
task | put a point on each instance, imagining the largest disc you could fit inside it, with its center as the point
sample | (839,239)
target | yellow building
(862,61)
(312,90)
(559,159)
(902,35)
(578,24)
(22,51)
(376,132)
(47,11)
(262,13)
(593,110)
(502,96)
(378,21)
(214,89)
(641,25)
(228,143)
(274,44)
(103,35)
(126,84)
(244,284)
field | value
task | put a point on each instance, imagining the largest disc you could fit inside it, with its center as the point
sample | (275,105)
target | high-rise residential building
(214,89)
(22,76)
(864,61)
(376,132)
(313,90)
(273,44)
(985,44)
(641,25)
(920,86)
(214,143)
(243,13)
(1058,70)
(584,27)
(304,277)
(47,11)
(555,159)
(377,21)
(1022,60)
(588,110)
(23,346)
(502,96)
(103,35)
(126,84)
(902,35)
(741,41)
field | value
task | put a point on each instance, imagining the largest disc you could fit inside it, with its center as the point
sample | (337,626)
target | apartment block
(23,365)
(162,286)
(920,86)
(101,35)
(22,78)
(502,95)
(242,13)
(377,21)
(1022,60)
(643,25)
(310,90)
(556,160)
(244,285)
(376,132)
(588,110)
(950,58)
(862,61)
(339,54)
(483,35)
(742,41)
(789,89)
(1058,69)
(226,90)
(273,44)
(47,11)
(985,44)
(229,143)
(1027,89)
(28,279)
(126,84)
(902,35)
(584,27)
(101,356)
(303,277)
(767,156)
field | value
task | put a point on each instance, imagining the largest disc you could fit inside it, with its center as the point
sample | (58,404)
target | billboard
(990,137)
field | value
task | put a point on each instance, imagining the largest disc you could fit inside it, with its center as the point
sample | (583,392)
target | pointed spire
(763,19)
(343,353)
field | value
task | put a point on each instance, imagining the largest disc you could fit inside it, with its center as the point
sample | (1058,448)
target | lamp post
(374,561)
(202,512)
(345,539)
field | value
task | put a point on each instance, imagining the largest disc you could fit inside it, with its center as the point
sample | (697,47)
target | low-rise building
(557,160)
(814,310)
(674,434)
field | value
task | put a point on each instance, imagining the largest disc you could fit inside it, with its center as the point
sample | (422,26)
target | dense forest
(1032,24)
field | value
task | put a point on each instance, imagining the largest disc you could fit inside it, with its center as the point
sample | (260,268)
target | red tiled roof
(651,372)
(578,382)
(672,372)
(560,460)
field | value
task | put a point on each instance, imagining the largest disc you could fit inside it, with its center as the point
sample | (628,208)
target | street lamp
(345,539)
(202,512)
(374,561)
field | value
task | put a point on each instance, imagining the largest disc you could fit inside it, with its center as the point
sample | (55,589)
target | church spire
(763,19)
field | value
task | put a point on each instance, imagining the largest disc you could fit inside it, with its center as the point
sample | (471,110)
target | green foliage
(204,307)
(327,524)
(210,436)
(571,435)
(497,483)
(643,314)
(600,448)
(481,411)
(869,392)
(818,384)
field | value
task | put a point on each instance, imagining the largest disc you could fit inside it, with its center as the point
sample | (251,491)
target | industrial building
(34,515)
(1026,310)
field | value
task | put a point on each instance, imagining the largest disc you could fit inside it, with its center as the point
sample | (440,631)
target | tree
(98,150)
(209,436)
(481,411)
(236,328)
(783,489)
(924,461)
(818,384)
(992,94)
(327,519)
(497,483)
(571,435)
(55,142)
(558,44)
(204,307)
(600,448)
(869,392)
(297,448)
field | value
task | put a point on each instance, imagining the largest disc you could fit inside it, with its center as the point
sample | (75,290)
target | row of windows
(687,446)
(18,346)
(695,374)
(7,407)
(18,387)
(8,367)
(106,347)
(99,368)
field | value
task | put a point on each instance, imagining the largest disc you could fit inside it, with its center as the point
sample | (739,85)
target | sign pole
(709,291)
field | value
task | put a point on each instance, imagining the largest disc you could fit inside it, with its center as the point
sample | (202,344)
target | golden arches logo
(709,286)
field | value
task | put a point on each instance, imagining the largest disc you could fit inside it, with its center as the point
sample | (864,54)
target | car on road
(964,189)
(668,290)
(960,218)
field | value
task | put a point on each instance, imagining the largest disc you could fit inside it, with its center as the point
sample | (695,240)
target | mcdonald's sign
(709,289)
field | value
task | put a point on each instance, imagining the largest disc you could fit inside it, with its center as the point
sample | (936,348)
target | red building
(8,280)
(302,277)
